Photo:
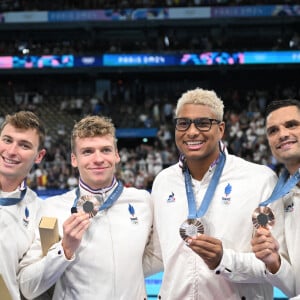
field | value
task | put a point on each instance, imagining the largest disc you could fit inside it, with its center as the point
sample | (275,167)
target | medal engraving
(190,228)
(263,217)
(88,204)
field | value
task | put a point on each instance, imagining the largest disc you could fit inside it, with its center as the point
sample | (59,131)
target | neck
(97,190)
(292,168)
(8,185)
(198,168)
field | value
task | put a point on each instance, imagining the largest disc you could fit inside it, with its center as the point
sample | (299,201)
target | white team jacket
(292,232)
(242,186)
(18,224)
(108,263)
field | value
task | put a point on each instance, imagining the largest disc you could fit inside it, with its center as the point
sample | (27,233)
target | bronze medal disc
(263,217)
(88,204)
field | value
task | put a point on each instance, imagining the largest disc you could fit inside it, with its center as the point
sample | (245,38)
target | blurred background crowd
(139,98)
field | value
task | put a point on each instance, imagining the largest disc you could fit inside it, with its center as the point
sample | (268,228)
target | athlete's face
(96,159)
(19,151)
(283,133)
(195,144)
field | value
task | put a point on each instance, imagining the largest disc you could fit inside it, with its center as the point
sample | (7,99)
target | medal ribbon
(193,213)
(283,186)
(12,201)
(113,197)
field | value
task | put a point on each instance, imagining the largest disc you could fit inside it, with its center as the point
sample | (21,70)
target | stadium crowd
(136,105)
(141,161)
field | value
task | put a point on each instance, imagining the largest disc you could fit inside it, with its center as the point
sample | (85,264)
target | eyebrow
(18,141)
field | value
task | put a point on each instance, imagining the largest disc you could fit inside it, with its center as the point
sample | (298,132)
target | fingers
(74,228)
(76,224)
(265,248)
(208,248)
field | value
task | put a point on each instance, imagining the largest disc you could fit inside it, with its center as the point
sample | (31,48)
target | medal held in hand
(263,217)
(91,205)
(191,228)
(88,204)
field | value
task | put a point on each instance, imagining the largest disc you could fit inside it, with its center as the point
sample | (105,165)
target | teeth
(194,143)
(9,161)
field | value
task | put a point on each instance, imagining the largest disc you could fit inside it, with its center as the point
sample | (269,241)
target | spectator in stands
(283,133)
(21,146)
(209,255)
(93,259)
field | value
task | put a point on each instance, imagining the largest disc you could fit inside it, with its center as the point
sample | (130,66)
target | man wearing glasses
(204,212)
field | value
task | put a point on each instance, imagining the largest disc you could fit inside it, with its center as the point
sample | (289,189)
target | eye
(6,140)
(203,123)
(87,151)
(292,124)
(25,146)
(182,122)
(107,150)
(272,130)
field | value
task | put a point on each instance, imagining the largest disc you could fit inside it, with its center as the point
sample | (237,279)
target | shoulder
(134,192)
(169,171)
(62,202)
(241,165)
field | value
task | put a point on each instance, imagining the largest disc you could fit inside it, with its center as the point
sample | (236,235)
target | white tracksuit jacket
(292,232)
(18,224)
(108,263)
(240,275)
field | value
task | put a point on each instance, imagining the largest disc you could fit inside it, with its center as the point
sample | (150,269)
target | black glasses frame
(197,122)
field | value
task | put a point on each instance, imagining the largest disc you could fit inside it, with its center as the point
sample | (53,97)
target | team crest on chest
(171,198)
(289,207)
(227,191)
(133,217)
(26,217)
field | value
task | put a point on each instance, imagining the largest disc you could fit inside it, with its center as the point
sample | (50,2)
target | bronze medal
(263,217)
(88,204)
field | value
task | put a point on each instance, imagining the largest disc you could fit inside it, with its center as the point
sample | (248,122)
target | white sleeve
(37,274)
(152,259)
(246,268)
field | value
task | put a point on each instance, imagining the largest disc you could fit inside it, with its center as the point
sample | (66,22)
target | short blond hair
(202,97)
(92,126)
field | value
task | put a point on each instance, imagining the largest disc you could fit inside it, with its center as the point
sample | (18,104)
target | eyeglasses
(202,124)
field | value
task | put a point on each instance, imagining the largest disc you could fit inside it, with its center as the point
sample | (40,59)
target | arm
(245,267)
(152,259)
(278,270)
(37,274)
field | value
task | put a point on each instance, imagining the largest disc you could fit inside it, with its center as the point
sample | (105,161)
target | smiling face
(200,148)
(96,158)
(19,150)
(283,133)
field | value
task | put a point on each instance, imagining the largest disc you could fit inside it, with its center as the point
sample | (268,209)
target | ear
(40,156)
(118,159)
(74,160)
(221,129)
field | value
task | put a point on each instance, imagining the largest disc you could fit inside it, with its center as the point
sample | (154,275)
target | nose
(98,157)
(283,132)
(193,130)
(11,148)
